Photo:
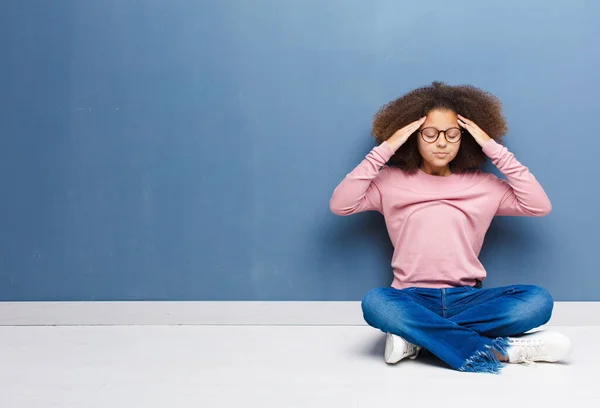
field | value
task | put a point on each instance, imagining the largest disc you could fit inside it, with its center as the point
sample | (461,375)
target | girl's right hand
(401,135)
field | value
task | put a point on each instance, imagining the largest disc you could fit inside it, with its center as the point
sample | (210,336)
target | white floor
(264,366)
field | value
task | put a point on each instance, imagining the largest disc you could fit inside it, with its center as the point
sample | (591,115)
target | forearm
(357,192)
(526,195)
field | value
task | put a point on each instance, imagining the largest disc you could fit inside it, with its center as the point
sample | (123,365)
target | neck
(436,171)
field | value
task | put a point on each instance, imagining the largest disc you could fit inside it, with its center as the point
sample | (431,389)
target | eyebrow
(431,126)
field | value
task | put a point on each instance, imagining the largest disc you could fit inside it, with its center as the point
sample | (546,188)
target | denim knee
(379,307)
(537,306)
(543,303)
(372,303)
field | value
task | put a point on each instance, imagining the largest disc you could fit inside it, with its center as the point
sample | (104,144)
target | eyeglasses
(431,134)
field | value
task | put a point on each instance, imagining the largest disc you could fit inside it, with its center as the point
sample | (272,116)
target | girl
(424,177)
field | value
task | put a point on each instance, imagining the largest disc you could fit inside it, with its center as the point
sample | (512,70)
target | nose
(441,141)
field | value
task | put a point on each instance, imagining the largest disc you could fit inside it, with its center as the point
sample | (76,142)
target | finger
(420,121)
(417,124)
(470,123)
(411,128)
(465,124)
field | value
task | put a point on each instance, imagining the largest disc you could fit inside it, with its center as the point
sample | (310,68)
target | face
(439,153)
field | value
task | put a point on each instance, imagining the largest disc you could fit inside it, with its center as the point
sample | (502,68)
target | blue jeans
(462,326)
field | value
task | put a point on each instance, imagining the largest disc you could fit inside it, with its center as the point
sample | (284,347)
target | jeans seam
(444,303)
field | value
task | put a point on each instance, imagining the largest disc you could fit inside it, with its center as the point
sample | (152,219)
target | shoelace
(412,351)
(527,350)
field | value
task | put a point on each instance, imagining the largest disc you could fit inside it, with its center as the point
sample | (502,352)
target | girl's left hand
(479,135)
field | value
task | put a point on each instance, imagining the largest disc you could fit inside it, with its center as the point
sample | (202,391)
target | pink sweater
(437,224)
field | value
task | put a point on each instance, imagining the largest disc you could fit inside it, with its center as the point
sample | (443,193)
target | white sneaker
(396,349)
(538,346)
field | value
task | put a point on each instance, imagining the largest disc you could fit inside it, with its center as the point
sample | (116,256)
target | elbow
(338,208)
(543,210)
(547,209)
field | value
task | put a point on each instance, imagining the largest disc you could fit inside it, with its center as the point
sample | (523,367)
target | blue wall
(187,150)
